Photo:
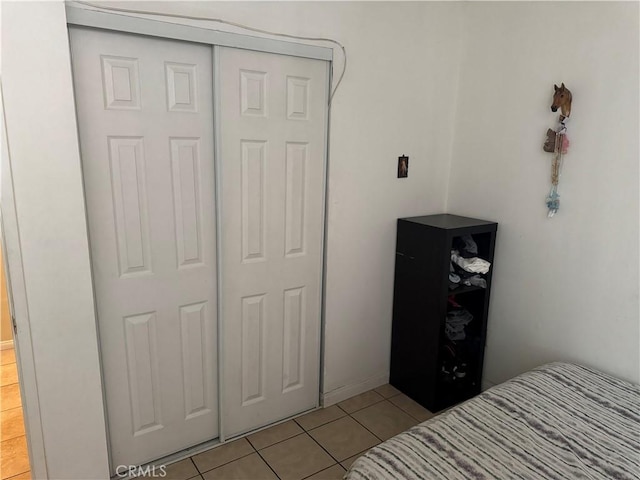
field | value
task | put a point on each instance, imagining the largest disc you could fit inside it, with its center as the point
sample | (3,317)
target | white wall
(564,288)
(38,102)
(396,98)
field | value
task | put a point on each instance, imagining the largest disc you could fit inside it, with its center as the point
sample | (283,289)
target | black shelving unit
(421,354)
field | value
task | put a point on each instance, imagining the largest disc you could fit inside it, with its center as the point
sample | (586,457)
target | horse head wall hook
(557,143)
(562,100)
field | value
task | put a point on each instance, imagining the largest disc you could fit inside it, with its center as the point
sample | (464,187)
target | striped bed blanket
(560,421)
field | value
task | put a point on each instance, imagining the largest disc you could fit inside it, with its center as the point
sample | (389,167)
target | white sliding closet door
(146,131)
(273,116)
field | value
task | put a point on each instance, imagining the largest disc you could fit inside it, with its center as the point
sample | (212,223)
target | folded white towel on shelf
(473,264)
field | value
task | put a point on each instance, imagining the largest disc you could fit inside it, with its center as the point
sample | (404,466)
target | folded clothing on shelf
(472,264)
(476,281)
(456,322)
(453,278)
(458,276)
(466,245)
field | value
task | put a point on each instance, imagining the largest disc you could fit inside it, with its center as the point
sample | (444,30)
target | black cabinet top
(446,221)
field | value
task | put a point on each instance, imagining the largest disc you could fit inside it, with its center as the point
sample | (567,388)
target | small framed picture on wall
(403,166)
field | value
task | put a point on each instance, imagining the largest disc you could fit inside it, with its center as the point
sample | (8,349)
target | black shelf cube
(420,305)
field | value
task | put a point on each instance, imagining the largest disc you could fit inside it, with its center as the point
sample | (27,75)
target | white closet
(171,227)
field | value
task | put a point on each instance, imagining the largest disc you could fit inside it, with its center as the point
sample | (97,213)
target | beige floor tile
(344,438)
(223,454)
(358,402)
(320,417)
(8,374)
(384,419)
(332,473)
(411,407)
(15,459)
(274,434)
(182,470)
(22,476)
(251,467)
(296,458)
(10,397)
(349,461)
(7,356)
(11,424)
(387,390)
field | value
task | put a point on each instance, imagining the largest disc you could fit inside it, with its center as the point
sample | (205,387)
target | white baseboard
(348,391)
(6,344)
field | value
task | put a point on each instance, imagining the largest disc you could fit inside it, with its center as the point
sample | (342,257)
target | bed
(560,421)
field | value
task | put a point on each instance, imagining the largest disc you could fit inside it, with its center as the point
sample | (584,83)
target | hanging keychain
(557,143)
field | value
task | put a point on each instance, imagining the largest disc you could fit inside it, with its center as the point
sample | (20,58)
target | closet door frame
(124,23)
(85,17)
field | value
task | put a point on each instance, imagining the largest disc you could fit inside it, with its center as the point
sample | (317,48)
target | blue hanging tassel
(553,201)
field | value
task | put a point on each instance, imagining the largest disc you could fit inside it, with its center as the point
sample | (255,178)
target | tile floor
(320,445)
(14,459)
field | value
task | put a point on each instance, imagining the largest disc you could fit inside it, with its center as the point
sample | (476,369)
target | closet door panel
(272,121)
(145,115)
